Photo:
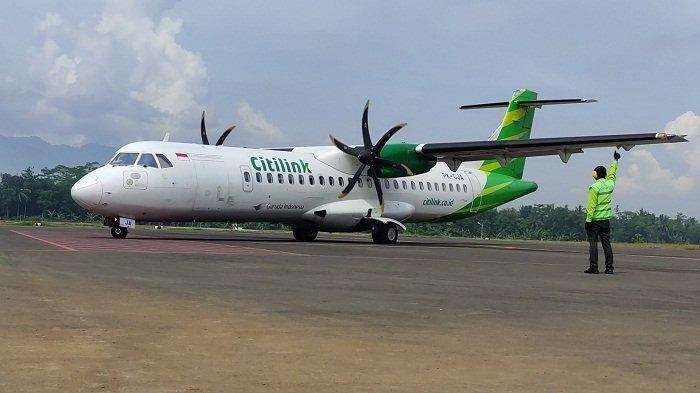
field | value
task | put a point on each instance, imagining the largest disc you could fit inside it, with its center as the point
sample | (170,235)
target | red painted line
(44,240)
(264,249)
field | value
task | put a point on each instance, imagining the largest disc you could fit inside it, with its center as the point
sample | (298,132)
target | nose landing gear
(119,232)
(117,229)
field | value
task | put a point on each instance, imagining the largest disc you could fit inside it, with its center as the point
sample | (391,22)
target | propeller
(222,138)
(368,156)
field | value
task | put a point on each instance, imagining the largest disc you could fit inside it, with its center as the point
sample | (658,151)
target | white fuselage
(217,183)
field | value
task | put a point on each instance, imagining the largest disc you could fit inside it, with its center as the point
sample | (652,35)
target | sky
(289,73)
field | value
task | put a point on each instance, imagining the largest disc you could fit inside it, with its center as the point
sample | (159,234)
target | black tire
(378,234)
(305,234)
(392,234)
(119,232)
(385,233)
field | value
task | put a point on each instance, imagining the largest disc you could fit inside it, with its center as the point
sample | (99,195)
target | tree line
(45,195)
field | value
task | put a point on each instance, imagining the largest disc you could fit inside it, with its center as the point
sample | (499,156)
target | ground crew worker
(598,214)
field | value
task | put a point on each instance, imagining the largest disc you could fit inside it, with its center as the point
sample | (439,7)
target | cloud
(687,124)
(256,126)
(644,173)
(119,76)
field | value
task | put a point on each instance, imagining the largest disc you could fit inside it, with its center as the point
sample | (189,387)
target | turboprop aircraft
(375,187)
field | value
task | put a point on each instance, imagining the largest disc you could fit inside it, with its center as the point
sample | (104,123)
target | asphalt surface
(176,311)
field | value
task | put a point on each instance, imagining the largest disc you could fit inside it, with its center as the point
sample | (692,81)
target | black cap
(601,172)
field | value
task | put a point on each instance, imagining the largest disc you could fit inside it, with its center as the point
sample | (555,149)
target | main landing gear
(305,233)
(119,232)
(385,233)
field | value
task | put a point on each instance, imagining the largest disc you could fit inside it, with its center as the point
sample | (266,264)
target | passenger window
(359,182)
(147,160)
(403,184)
(386,184)
(437,187)
(291,178)
(311,180)
(464,187)
(330,181)
(369,183)
(321,181)
(420,185)
(258,177)
(164,162)
(246,177)
(280,178)
(269,177)
(430,188)
(443,187)
(124,159)
(413,185)
(396,185)
(452,189)
(341,181)
(458,189)
(301,179)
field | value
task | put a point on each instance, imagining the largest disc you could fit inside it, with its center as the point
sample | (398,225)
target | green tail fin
(516,124)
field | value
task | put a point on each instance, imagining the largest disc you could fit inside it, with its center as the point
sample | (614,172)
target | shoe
(609,271)
(590,270)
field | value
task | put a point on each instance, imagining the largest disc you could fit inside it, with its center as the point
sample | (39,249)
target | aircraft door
(246,178)
(212,185)
(475,185)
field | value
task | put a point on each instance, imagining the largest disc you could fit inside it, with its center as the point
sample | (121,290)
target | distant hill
(18,153)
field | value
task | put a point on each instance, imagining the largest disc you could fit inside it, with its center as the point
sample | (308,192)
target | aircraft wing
(454,153)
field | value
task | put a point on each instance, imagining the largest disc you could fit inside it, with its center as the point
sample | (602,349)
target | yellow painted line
(492,189)
(512,116)
(490,166)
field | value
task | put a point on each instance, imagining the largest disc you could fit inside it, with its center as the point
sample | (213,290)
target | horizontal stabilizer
(535,103)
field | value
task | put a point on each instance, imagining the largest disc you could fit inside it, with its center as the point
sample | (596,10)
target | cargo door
(475,185)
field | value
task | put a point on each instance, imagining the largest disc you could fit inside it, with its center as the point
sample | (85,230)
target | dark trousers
(599,230)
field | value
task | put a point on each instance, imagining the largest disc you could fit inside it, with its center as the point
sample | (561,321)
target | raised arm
(612,171)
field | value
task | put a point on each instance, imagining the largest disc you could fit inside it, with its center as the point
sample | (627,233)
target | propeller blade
(352,181)
(406,171)
(203,130)
(365,128)
(343,147)
(223,136)
(385,138)
(378,186)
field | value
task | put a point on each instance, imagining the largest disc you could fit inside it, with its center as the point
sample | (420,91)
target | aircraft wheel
(119,232)
(305,234)
(385,233)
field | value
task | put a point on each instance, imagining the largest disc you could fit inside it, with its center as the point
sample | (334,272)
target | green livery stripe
(498,190)
(516,125)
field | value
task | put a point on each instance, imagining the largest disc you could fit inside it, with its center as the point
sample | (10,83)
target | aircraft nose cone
(87,192)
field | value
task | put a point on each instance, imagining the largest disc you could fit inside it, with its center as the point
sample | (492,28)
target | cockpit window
(124,159)
(148,161)
(164,162)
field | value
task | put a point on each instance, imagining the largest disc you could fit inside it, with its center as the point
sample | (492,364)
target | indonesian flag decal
(182,156)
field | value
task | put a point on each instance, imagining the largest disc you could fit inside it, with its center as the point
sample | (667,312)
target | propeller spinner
(222,138)
(369,157)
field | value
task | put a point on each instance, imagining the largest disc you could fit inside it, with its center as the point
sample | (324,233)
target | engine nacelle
(405,153)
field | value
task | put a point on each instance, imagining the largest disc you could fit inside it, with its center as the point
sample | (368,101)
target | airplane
(377,187)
